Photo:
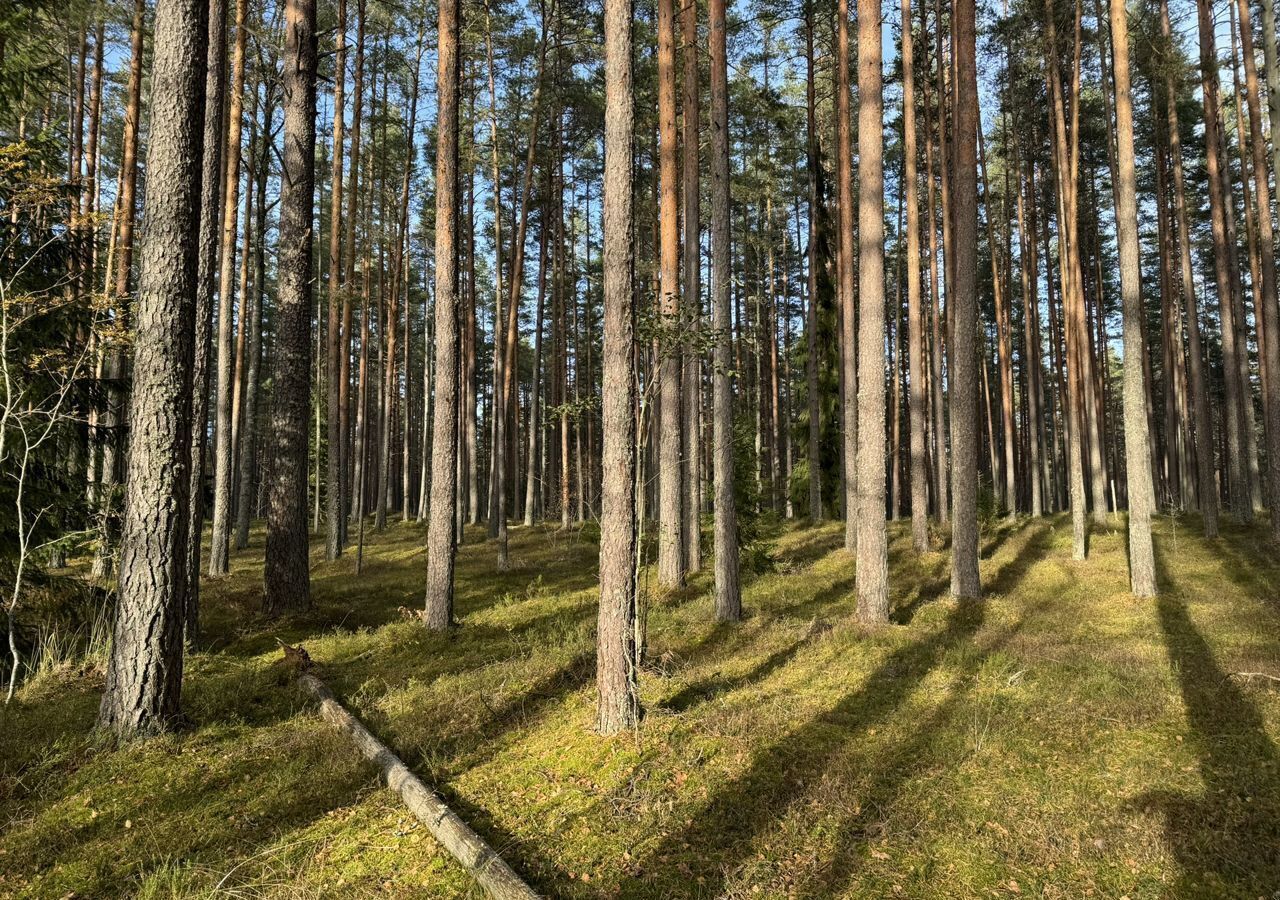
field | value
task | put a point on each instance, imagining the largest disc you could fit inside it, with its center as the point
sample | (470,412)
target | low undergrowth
(1058,739)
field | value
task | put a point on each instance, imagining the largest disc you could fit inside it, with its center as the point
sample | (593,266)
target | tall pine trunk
(441,530)
(224,452)
(144,675)
(872,544)
(670,537)
(1142,567)
(728,595)
(333,507)
(616,661)
(286,581)
(965,581)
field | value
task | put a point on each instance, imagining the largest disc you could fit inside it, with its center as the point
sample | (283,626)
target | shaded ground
(1058,739)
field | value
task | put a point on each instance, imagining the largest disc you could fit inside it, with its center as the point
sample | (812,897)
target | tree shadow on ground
(1227,839)
(891,773)
(752,803)
(813,548)
(1036,545)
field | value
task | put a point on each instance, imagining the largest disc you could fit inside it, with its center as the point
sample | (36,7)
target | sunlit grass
(1058,739)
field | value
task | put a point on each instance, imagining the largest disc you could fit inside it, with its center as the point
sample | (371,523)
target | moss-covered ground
(1058,739)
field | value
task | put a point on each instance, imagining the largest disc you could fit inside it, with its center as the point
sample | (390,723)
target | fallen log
(484,864)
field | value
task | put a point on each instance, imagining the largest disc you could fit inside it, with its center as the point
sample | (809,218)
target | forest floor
(1058,739)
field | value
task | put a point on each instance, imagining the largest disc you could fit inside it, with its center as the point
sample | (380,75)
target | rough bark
(1142,568)
(441,530)
(872,543)
(965,582)
(616,661)
(144,675)
(286,581)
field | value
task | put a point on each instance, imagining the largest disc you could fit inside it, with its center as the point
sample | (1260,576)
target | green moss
(1056,740)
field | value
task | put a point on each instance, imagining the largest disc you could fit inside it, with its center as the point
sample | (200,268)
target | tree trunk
(285,578)
(333,472)
(1265,309)
(670,537)
(915,313)
(872,566)
(1223,257)
(348,276)
(811,324)
(1074,331)
(210,195)
(441,531)
(1196,360)
(728,595)
(144,675)
(1142,566)
(616,661)
(224,452)
(531,492)
(848,345)
(965,581)
(692,374)
(116,383)
(941,481)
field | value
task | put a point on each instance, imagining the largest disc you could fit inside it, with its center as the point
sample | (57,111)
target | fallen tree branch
(479,859)
(1249,676)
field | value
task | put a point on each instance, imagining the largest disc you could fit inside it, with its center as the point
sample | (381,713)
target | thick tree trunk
(441,530)
(965,581)
(1142,567)
(616,660)
(144,675)
(872,544)
(286,581)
